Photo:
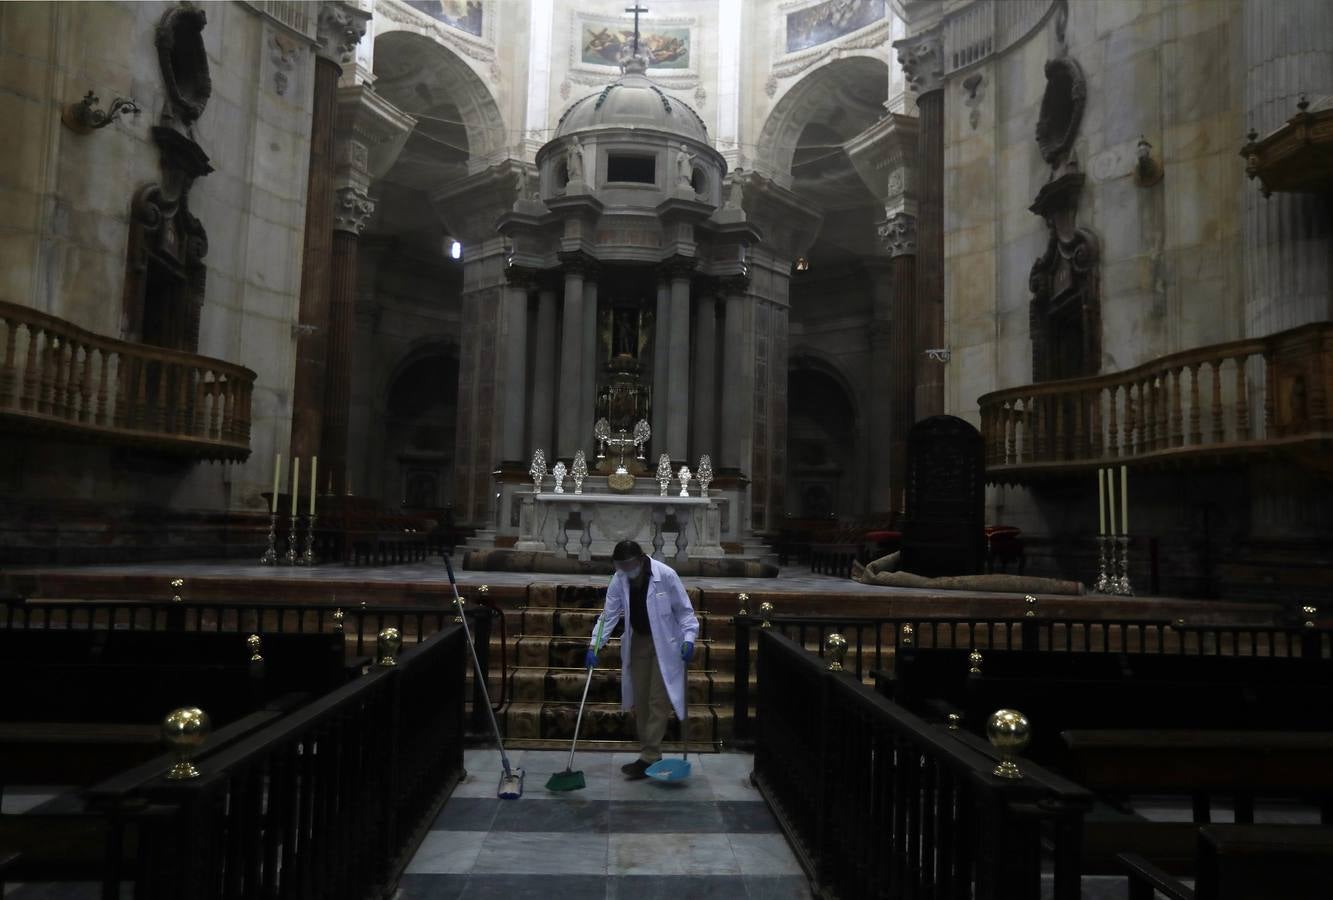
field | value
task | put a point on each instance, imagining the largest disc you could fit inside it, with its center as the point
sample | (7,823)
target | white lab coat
(673,622)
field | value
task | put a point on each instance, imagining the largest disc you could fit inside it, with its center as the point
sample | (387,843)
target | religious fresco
(465,15)
(606,45)
(829,20)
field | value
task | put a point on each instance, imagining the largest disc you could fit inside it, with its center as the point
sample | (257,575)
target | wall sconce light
(1147,171)
(802,264)
(84,117)
(939,354)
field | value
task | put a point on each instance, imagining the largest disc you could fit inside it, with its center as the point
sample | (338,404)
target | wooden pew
(1245,862)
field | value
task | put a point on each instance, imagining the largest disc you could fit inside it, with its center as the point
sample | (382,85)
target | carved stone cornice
(338,29)
(369,134)
(898,233)
(352,209)
(922,59)
(884,155)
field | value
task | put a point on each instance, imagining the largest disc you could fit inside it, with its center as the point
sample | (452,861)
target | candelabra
(310,540)
(291,556)
(270,557)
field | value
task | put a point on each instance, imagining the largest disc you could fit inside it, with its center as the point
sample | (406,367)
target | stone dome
(633,102)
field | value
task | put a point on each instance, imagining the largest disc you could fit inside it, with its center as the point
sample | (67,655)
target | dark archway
(825,467)
(420,416)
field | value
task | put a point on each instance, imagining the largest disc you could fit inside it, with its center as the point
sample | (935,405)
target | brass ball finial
(177,584)
(954,721)
(974,662)
(338,617)
(1008,731)
(387,646)
(1031,603)
(183,731)
(744,600)
(836,647)
(766,613)
(256,645)
(484,590)
(1309,612)
(908,636)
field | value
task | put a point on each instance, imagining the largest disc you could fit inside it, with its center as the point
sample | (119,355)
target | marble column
(339,27)
(705,380)
(901,244)
(543,375)
(661,368)
(735,387)
(571,365)
(515,321)
(879,457)
(678,376)
(922,59)
(1288,266)
(588,393)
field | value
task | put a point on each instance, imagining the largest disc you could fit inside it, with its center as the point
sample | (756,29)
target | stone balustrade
(56,377)
(1246,396)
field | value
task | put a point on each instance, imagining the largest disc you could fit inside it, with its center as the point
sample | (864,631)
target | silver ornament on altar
(559,473)
(642,432)
(602,431)
(684,476)
(705,474)
(579,471)
(537,471)
(664,472)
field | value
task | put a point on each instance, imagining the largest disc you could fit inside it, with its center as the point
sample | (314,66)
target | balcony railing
(1242,397)
(56,377)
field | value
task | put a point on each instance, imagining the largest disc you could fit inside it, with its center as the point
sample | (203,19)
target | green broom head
(566,781)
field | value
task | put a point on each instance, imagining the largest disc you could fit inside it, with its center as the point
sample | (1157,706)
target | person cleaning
(660,631)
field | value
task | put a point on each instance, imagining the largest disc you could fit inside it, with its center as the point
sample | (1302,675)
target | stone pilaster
(568,438)
(544,374)
(678,375)
(661,367)
(899,234)
(705,379)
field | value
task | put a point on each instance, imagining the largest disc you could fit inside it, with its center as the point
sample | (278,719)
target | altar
(588,525)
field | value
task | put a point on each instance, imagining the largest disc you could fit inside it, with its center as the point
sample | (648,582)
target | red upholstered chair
(1003,543)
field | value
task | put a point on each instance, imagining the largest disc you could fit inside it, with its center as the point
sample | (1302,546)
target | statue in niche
(574,160)
(685,167)
(625,332)
(736,194)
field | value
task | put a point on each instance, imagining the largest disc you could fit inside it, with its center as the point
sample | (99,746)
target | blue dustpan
(669,770)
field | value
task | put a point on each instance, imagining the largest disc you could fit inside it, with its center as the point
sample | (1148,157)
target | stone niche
(1065,310)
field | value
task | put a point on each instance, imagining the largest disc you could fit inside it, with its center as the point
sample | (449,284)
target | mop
(511,780)
(569,780)
(677,769)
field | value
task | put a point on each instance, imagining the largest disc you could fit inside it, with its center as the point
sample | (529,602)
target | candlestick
(277,475)
(291,555)
(1124,500)
(310,540)
(1101,502)
(1122,585)
(1103,585)
(270,557)
(314,481)
(1110,492)
(296,481)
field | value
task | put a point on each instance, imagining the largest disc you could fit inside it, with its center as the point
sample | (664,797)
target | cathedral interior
(342,342)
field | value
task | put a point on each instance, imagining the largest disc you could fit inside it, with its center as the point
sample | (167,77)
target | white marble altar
(605,519)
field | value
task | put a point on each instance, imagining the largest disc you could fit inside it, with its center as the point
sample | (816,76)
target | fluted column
(588,393)
(678,378)
(515,319)
(661,367)
(571,362)
(1288,266)
(544,375)
(340,26)
(922,59)
(705,378)
(902,382)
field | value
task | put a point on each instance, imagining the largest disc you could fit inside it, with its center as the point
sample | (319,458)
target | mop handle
(476,661)
(587,684)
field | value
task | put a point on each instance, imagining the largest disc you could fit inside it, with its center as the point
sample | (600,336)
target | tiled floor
(708,836)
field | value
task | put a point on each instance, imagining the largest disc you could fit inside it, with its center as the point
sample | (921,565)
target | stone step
(566,685)
(578,596)
(554,721)
(581,622)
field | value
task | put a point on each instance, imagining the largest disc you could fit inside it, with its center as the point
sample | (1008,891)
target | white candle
(1124,500)
(1101,502)
(296,480)
(1110,492)
(314,468)
(277,475)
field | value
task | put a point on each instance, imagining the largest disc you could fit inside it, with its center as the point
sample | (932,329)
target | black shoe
(635,770)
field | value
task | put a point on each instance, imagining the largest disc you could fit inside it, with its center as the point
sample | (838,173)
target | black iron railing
(873,642)
(360,625)
(878,803)
(328,802)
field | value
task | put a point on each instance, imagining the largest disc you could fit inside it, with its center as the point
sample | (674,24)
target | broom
(570,780)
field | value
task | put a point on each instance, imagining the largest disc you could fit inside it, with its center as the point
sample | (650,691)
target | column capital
(369,134)
(352,209)
(676,267)
(338,29)
(577,261)
(898,234)
(922,59)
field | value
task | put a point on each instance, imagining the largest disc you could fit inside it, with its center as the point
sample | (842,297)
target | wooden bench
(1244,862)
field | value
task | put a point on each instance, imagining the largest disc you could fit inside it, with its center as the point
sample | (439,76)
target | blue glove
(590,661)
(687,651)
